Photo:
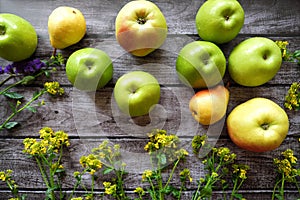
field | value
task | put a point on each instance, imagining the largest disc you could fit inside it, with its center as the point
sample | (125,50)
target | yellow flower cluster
(50,141)
(159,139)
(240,170)
(146,175)
(186,174)
(282,45)
(5,175)
(109,188)
(91,163)
(77,198)
(286,165)
(224,153)
(53,88)
(107,152)
(140,191)
(292,99)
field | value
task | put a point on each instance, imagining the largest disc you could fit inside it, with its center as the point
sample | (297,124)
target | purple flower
(1,70)
(24,67)
(9,69)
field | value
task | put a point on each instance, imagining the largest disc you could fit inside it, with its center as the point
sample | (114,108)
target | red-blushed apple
(89,69)
(254,61)
(140,27)
(136,92)
(258,125)
(200,64)
(219,21)
(208,106)
(18,38)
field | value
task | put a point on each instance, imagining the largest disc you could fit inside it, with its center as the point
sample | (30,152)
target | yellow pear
(209,106)
(66,26)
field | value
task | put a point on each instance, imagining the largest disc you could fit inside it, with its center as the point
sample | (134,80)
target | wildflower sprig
(52,88)
(47,152)
(110,156)
(5,176)
(164,152)
(292,98)
(25,72)
(287,55)
(286,170)
(219,164)
(107,159)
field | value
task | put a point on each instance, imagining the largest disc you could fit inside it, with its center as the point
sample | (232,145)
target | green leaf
(13,95)
(11,125)
(238,196)
(47,73)
(107,170)
(32,109)
(27,80)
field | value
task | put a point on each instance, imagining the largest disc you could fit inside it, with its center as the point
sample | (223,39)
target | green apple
(219,21)
(254,61)
(200,64)
(136,93)
(89,69)
(140,27)
(18,38)
(258,125)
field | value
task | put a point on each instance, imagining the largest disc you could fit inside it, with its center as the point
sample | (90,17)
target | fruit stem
(141,20)
(54,52)
(265,126)
(2,30)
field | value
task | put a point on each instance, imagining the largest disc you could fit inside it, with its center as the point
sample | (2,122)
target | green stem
(275,187)
(172,172)
(42,170)
(7,79)
(22,108)
(153,189)
(11,86)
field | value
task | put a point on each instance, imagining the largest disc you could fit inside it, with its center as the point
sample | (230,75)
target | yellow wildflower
(53,88)
(139,190)
(146,174)
(214,174)
(109,188)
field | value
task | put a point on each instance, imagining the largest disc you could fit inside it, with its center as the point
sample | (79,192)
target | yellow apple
(66,26)
(258,125)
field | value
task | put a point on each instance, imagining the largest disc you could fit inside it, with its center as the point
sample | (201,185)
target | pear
(66,26)
(209,106)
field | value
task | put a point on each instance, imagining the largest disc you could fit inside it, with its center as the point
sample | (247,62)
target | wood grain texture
(90,118)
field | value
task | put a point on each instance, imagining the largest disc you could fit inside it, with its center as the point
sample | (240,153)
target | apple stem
(141,20)
(54,52)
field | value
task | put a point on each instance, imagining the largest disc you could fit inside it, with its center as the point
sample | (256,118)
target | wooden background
(90,118)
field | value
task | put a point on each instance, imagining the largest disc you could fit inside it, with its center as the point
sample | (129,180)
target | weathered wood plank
(26,172)
(261,17)
(95,114)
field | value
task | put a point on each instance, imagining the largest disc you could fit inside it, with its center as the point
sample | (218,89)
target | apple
(136,93)
(18,38)
(66,26)
(219,21)
(209,106)
(89,69)
(140,27)
(258,125)
(200,64)
(254,61)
